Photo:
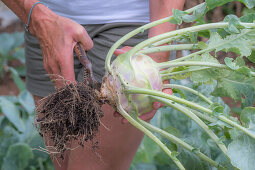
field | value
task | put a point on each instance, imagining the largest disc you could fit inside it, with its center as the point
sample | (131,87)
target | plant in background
(19,140)
(11,49)
(133,81)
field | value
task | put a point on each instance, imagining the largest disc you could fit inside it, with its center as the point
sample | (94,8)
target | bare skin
(57,37)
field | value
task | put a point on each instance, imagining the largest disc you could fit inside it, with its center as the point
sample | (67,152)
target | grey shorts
(103,36)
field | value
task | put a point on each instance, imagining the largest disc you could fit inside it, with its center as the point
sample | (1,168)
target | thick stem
(170,64)
(149,134)
(189,90)
(136,31)
(178,141)
(196,119)
(169,48)
(167,73)
(180,32)
(164,41)
(137,90)
(204,116)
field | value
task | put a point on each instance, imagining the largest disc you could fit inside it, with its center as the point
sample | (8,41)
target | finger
(83,37)
(148,116)
(168,91)
(123,50)
(119,52)
(156,105)
(117,114)
(65,62)
(124,121)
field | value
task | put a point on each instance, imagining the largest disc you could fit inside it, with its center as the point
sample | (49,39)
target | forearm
(161,9)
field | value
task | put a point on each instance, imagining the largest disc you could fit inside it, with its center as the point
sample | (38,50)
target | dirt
(71,113)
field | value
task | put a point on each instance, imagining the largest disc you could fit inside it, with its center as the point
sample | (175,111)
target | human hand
(156,105)
(57,37)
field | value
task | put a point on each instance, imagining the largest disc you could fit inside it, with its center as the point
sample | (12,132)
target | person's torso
(101,11)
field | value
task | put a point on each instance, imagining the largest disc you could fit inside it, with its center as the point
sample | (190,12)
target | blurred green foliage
(19,139)
(11,48)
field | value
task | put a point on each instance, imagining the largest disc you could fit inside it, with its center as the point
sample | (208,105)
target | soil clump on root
(71,113)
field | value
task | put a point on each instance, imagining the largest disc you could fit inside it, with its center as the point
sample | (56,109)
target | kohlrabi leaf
(248,117)
(229,62)
(217,109)
(248,18)
(234,25)
(11,111)
(241,152)
(180,76)
(147,151)
(17,157)
(177,16)
(238,64)
(237,86)
(248,3)
(252,56)
(206,75)
(240,43)
(197,14)
(215,3)
(27,101)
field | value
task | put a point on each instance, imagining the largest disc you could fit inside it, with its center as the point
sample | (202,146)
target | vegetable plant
(11,49)
(21,146)
(133,81)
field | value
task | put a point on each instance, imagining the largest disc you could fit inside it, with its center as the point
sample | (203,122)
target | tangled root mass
(71,113)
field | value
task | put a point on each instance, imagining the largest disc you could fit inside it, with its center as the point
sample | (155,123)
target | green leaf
(203,76)
(16,78)
(147,151)
(252,57)
(236,86)
(217,109)
(172,131)
(248,18)
(17,157)
(249,3)
(215,3)
(229,62)
(7,43)
(12,113)
(8,137)
(244,70)
(27,101)
(202,45)
(180,76)
(179,92)
(248,117)
(189,18)
(241,151)
(240,43)
(234,25)
(177,16)
(200,12)
(19,38)
(20,55)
